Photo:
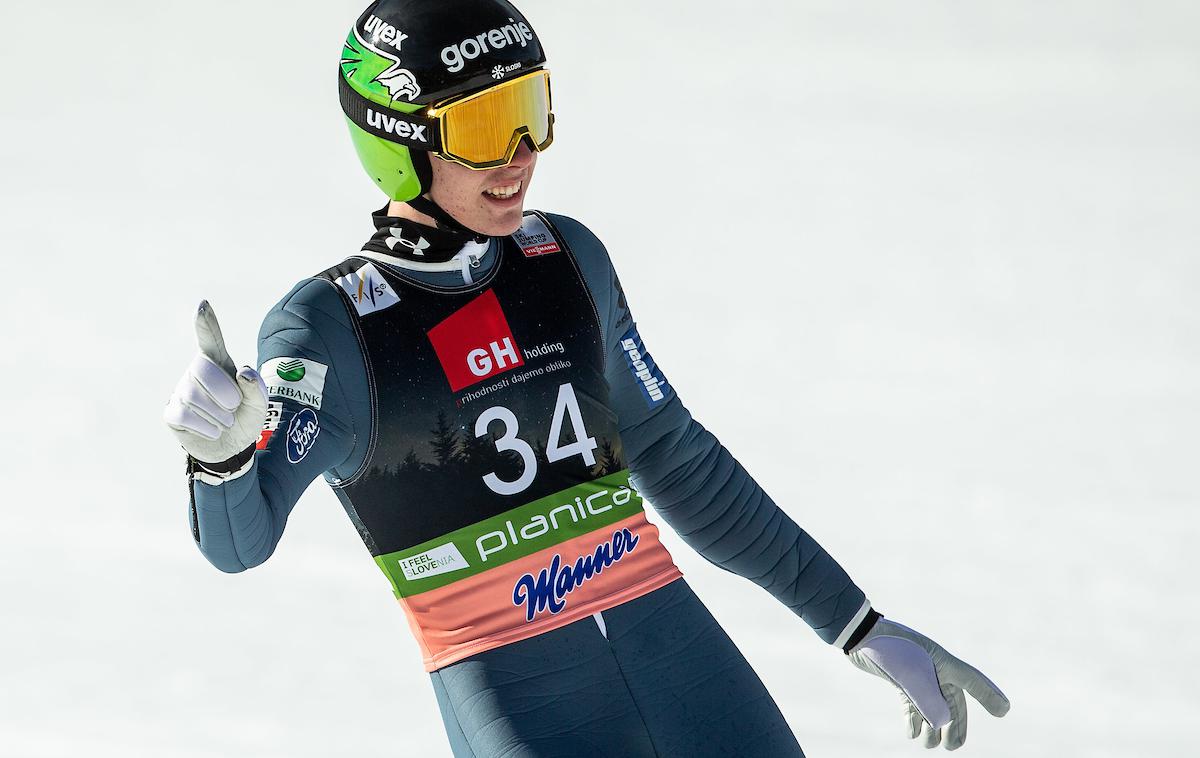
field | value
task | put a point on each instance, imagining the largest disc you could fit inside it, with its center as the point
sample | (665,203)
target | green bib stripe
(511,535)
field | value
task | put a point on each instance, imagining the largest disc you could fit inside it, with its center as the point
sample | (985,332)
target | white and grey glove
(217,411)
(931,682)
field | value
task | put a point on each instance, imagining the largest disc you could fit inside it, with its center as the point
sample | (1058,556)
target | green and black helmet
(405,60)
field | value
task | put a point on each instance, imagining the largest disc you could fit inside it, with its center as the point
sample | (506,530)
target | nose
(524,155)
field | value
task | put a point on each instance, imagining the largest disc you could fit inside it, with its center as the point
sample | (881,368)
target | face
(490,201)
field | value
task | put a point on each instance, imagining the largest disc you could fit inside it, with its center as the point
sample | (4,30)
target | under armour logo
(397,238)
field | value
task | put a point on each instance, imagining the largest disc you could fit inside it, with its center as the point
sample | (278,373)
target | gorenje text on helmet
(516,33)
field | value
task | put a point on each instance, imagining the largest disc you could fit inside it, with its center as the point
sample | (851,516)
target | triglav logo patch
(475,343)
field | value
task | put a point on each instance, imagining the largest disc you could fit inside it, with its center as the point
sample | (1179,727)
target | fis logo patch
(475,343)
(535,238)
(641,365)
(296,379)
(368,290)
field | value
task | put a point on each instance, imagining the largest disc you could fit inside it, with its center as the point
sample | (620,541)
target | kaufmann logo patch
(641,365)
(475,343)
(515,33)
(368,290)
(438,560)
(535,238)
(296,379)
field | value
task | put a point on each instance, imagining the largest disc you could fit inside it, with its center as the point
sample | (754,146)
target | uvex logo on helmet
(396,126)
(381,31)
(515,33)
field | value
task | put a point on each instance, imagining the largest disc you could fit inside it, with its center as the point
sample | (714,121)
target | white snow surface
(928,269)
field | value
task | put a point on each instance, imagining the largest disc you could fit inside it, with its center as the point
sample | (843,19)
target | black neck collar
(404,238)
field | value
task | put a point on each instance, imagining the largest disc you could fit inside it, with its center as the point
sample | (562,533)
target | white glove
(917,666)
(217,412)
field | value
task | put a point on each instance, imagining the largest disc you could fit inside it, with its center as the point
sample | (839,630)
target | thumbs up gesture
(217,411)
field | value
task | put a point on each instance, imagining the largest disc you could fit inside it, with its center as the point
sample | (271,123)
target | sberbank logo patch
(298,379)
(292,371)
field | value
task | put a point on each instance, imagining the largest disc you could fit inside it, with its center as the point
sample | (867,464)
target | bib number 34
(565,407)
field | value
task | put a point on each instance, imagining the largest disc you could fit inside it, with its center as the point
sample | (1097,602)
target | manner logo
(368,290)
(549,589)
(296,379)
(475,343)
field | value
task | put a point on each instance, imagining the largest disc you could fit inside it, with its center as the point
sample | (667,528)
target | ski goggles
(481,130)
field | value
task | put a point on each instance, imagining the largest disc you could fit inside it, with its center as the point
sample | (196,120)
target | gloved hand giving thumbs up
(217,411)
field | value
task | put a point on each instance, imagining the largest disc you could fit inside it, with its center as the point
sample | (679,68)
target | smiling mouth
(505,191)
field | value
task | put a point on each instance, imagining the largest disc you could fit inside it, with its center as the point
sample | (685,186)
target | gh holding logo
(475,343)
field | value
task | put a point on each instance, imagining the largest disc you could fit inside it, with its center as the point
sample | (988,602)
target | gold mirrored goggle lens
(483,130)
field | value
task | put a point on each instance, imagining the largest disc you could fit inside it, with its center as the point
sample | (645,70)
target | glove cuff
(217,473)
(861,631)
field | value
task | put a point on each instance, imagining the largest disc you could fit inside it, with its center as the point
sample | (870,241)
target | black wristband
(863,628)
(224,468)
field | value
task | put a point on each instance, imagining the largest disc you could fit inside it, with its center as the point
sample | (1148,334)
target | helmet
(403,56)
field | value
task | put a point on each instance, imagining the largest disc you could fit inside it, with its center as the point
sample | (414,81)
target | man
(473,387)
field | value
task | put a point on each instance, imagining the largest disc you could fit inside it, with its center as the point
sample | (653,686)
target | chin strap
(423,204)
(423,163)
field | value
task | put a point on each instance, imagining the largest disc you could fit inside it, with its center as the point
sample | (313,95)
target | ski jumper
(491,433)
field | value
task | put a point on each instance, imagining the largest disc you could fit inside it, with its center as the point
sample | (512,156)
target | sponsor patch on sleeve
(368,290)
(535,237)
(302,434)
(641,365)
(274,414)
(296,379)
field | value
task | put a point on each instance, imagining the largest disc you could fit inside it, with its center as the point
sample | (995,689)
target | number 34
(567,405)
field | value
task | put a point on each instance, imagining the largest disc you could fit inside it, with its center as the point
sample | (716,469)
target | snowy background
(945,311)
